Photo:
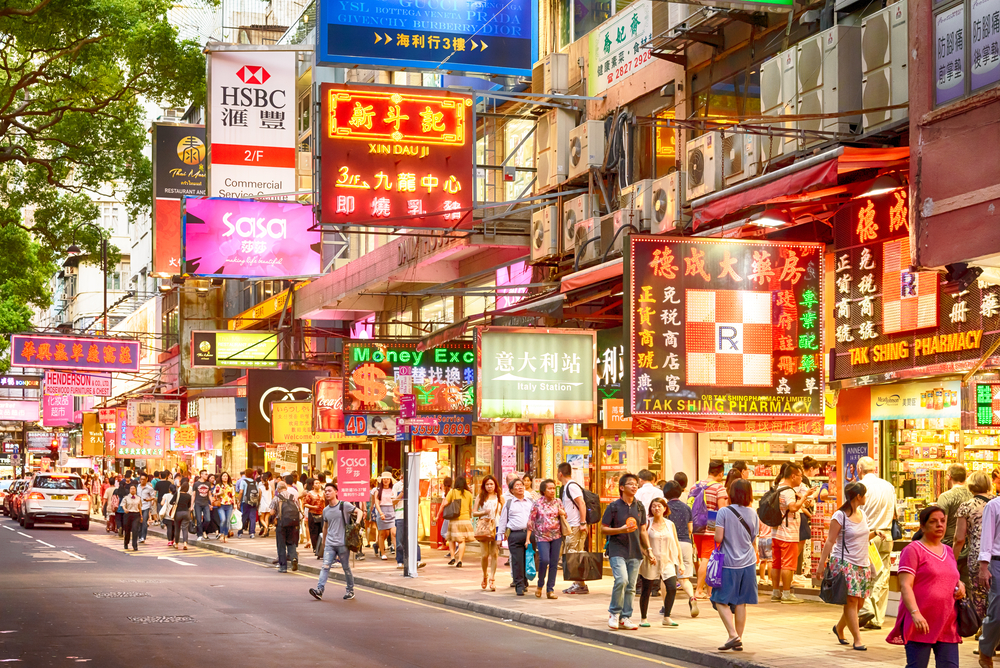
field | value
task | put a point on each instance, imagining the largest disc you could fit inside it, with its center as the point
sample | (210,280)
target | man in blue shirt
(249,497)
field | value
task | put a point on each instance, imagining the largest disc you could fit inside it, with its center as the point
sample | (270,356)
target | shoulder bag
(833,589)
(453,509)
(967,619)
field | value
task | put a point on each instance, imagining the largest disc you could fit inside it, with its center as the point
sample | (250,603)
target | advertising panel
(984,20)
(13,382)
(722,329)
(616,46)
(852,453)
(83,384)
(443,378)
(912,401)
(949,55)
(238,349)
(460,35)
(68,352)
(987,404)
(178,171)
(251,123)
(393,153)
(236,238)
(25,411)
(353,472)
(93,436)
(57,410)
(536,374)
(265,386)
(107,415)
(291,422)
(184,437)
(39,441)
(150,413)
(217,413)
(328,404)
(143,442)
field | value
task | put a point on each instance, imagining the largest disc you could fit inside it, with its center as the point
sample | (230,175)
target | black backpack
(288,513)
(352,531)
(769,510)
(251,495)
(591,502)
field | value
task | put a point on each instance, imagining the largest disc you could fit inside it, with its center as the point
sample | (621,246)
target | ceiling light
(883,184)
(771,218)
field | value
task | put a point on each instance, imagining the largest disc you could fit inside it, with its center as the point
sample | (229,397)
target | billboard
(24,411)
(353,471)
(178,171)
(151,413)
(143,442)
(238,349)
(83,384)
(536,374)
(722,329)
(251,123)
(616,46)
(328,404)
(394,154)
(443,378)
(291,422)
(461,35)
(57,410)
(68,352)
(265,386)
(238,238)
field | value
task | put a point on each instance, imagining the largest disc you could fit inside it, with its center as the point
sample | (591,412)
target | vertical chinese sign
(391,155)
(725,335)
(178,172)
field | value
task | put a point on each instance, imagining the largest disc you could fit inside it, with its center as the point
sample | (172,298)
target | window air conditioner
(551,75)
(586,147)
(884,45)
(778,97)
(575,210)
(828,68)
(552,147)
(703,164)
(610,224)
(586,230)
(740,157)
(668,194)
(639,196)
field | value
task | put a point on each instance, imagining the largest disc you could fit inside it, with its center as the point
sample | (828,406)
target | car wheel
(85,525)
(28,524)
(20,520)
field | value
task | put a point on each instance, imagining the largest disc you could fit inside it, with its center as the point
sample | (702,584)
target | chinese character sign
(57,410)
(26,411)
(353,472)
(949,54)
(142,442)
(396,154)
(291,422)
(537,374)
(725,328)
(616,46)
(179,153)
(65,352)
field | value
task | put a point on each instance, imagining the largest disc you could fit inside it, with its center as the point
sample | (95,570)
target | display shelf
(771,477)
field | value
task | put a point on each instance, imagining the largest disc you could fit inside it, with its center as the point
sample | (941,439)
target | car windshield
(50,482)
(5,484)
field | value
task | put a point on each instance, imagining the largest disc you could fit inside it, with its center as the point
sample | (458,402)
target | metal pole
(404,543)
(104,269)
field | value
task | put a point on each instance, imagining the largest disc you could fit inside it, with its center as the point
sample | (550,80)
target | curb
(636,643)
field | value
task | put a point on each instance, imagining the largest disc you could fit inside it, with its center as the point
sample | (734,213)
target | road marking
(75,556)
(44,543)
(8,528)
(176,561)
(24,534)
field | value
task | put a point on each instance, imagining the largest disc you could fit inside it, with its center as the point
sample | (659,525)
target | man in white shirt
(880,508)
(576,517)
(648,491)
(397,500)
(989,573)
(147,494)
(515,518)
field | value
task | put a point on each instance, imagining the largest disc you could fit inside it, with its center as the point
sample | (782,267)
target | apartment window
(729,99)
(665,149)
(477,304)
(576,18)
(437,313)
(170,328)
(966,48)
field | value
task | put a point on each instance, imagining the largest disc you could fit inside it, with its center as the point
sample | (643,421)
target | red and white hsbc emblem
(253,75)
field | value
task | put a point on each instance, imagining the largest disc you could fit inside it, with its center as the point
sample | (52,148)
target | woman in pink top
(929,585)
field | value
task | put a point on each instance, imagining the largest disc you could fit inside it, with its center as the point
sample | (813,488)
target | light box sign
(179,152)
(456,35)
(913,401)
(67,352)
(235,238)
(443,377)
(723,329)
(184,438)
(143,442)
(616,46)
(394,154)
(13,382)
(328,405)
(353,473)
(153,413)
(235,349)
(57,410)
(291,422)
(536,374)
(987,404)
(83,384)
(23,411)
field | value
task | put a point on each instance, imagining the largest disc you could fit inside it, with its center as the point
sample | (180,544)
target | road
(70,597)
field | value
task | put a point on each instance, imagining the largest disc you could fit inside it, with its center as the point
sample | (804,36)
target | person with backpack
(338,516)
(624,522)
(578,516)
(248,494)
(779,509)
(285,507)
(707,498)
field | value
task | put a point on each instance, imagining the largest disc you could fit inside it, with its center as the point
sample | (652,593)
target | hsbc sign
(253,75)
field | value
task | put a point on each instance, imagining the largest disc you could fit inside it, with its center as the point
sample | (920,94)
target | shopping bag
(529,562)
(874,558)
(583,566)
(237,519)
(713,572)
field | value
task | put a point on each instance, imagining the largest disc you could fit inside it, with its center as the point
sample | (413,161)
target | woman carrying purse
(487,513)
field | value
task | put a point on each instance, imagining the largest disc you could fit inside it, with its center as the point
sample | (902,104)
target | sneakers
(348,596)
(142,540)
(421,564)
(317,594)
(628,624)
(789,597)
(576,589)
(170,544)
(613,622)
(360,557)
(252,536)
(295,564)
(776,596)
(399,567)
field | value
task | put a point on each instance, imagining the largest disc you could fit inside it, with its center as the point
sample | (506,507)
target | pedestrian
(313,503)
(709,496)
(647,490)
(995,475)
(681,479)
(182,515)
(576,518)
(680,517)
(543,522)
(123,489)
(443,523)
(460,529)
(147,497)
(950,501)
(663,564)
(166,508)
(732,477)
(514,525)
(627,546)
(880,509)
(334,540)
(736,534)
(111,502)
(989,576)
(287,520)
(385,514)
(741,467)
(131,506)
(487,513)
(249,498)
(792,496)
(202,503)
(529,487)
(929,585)
(266,487)
(968,531)
(846,551)
(399,508)
(225,499)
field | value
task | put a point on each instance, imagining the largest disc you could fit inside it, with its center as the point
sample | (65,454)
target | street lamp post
(75,250)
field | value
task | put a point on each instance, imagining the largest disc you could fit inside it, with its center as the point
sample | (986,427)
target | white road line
(176,561)
(44,543)
(75,556)
(8,528)
(24,534)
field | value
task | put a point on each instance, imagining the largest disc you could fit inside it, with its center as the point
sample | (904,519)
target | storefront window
(437,313)
(514,132)
(477,304)
(729,99)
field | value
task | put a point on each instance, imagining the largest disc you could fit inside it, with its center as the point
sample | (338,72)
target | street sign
(81,384)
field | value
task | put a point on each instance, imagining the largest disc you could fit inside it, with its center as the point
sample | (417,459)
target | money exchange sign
(724,329)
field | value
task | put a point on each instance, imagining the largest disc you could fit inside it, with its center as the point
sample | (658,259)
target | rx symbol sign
(728,338)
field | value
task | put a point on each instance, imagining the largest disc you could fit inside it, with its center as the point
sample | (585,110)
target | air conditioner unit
(639,196)
(585,231)
(551,75)
(740,157)
(586,147)
(668,195)
(552,147)
(575,210)
(884,46)
(703,164)
(778,97)
(544,234)
(610,224)
(828,67)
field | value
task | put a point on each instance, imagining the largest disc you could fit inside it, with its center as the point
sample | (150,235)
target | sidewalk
(780,636)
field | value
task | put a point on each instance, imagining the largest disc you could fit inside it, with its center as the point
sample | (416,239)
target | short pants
(703,545)
(785,555)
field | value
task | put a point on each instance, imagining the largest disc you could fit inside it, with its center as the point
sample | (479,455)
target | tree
(73,77)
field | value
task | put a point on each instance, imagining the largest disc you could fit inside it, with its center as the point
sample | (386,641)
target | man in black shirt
(624,522)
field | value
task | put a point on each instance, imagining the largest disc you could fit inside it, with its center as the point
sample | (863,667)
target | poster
(949,54)
(911,401)
(852,453)
(484,450)
(353,475)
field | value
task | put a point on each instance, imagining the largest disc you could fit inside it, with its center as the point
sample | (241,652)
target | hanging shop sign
(724,329)
(217,414)
(179,153)
(328,404)
(239,349)
(239,238)
(107,415)
(536,374)
(382,426)
(153,413)
(443,425)
(251,123)
(913,401)
(67,352)
(353,473)
(616,46)
(39,441)
(266,386)
(394,154)
(24,411)
(291,422)
(443,378)
(987,398)
(183,438)
(459,35)
(92,437)
(82,384)
(144,442)
(57,410)
(888,318)
(614,414)
(14,382)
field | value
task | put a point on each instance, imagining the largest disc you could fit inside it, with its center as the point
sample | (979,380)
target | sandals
(493,586)
(484,583)
(733,644)
(840,638)
(859,648)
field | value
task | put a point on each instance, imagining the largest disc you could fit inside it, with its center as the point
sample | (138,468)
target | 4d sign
(443,377)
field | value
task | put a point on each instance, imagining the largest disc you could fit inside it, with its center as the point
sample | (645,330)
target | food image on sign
(391,154)
(725,328)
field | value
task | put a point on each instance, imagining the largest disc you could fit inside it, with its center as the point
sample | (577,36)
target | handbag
(486,529)
(564,526)
(452,510)
(713,572)
(833,589)
(967,619)
(583,566)
(529,562)
(896,530)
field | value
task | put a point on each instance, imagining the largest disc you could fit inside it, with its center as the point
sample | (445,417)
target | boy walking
(335,520)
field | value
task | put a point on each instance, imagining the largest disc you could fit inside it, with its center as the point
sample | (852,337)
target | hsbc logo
(250,74)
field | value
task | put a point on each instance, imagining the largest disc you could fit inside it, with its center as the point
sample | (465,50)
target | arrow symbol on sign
(176,561)
(378,38)
(482,46)
(474,45)
(388,40)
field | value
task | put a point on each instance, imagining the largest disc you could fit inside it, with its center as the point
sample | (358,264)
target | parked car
(55,498)
(10,501)
(4,486)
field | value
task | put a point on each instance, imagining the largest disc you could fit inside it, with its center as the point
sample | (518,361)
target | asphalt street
(70,597)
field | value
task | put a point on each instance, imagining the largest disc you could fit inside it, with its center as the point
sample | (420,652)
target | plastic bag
(237,519)
(713,572)
(529,562)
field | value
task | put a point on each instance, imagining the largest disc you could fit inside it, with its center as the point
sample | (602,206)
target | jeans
(132,529)
(169,524)
(918,654)
(287,538)
(336,553)
(990,637)
(548,557)
(400,545)
(625,571)
(516,542)
(224,513)
(144,525)
(181,520)
(202,517)
(249,518)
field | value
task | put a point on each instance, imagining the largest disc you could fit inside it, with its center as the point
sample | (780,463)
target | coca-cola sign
(328,405)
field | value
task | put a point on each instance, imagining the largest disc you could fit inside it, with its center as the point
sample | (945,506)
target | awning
(820,171)
(592,275)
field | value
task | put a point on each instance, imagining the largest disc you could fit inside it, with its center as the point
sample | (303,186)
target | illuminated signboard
(443,377)
(143,442)
(396,155)
(722,329)
(887,318)
(9,382)
(24,411)
(179,153)
(67,352)
(453,35)
(292,421)
(987,405)
(234,349)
